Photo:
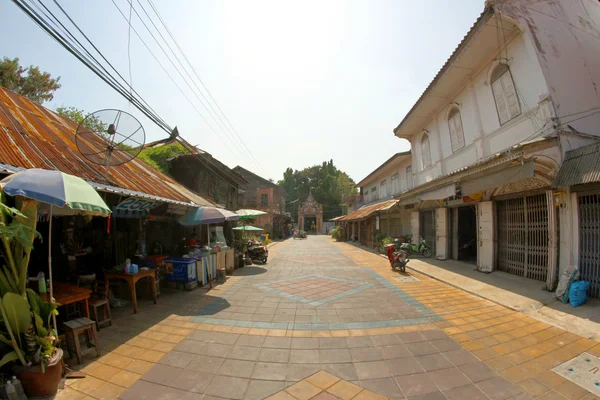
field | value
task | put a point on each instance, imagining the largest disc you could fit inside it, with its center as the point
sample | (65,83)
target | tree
(30,82)
(159,156)
(77,115)
(329,186)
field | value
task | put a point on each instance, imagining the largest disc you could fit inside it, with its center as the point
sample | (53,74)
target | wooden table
(131,280)
(65,293)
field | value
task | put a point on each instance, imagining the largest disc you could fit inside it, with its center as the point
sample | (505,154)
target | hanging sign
(377,222)
(133,207)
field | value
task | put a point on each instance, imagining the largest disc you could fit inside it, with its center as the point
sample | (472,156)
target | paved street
(327,320)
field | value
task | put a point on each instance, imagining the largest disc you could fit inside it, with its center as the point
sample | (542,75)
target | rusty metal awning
(368,210)
(32,136)
(580,166)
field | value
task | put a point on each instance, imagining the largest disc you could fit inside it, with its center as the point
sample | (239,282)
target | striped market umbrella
(247,214)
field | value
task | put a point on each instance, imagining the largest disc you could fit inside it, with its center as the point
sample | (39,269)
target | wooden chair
(72,331)
(99,299)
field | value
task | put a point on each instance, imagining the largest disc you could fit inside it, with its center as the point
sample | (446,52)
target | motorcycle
(420,248)
(257,252)
(398,258)
(299,235)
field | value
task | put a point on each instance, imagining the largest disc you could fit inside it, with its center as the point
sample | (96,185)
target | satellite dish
(110,137)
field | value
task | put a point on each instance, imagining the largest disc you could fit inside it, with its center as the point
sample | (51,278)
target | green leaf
(41,308)
(17,312)
(5,340)
(9,357)
(39,325)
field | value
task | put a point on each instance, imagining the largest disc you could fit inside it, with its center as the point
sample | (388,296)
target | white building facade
(379,211)
(490,132)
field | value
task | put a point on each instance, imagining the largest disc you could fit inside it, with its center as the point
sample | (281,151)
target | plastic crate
(181,269)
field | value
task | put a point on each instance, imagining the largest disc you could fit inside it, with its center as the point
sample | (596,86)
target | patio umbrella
(207,215)
(247,228)
(247,214)
(70,195)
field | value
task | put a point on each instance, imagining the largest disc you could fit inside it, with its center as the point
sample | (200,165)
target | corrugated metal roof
(580,166)
(31,136)
(368,210)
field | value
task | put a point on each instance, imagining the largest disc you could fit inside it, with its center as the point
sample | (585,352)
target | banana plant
(24,316)
(17,233)
(16,318)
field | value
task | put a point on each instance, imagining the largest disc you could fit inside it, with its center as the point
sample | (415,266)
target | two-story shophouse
(489,133)
(376,209)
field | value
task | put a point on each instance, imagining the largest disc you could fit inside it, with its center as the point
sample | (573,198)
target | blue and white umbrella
(208,215)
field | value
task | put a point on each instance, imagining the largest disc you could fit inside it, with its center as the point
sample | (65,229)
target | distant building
(210,178)
(376,210)
(264,195)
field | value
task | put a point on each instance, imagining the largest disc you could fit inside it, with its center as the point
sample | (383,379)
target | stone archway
(310,210)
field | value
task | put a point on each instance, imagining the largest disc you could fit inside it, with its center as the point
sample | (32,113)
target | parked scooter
(398,258)
(419,248)
(257,252)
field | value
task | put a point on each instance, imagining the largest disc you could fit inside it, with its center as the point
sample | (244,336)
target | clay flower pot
(38,384)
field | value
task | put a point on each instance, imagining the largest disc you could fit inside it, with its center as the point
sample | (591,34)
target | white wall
(483,133)
(566,35)
(387,173)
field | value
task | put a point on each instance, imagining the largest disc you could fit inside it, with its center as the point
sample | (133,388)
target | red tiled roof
(367,211)
(31,136)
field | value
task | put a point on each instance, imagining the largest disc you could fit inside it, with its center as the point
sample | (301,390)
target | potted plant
(26,336)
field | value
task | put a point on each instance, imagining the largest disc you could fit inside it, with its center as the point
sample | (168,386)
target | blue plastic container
(181,269)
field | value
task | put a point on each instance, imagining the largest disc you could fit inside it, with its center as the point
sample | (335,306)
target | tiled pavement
(259,336)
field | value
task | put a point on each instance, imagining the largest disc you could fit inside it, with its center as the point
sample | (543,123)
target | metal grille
(427,229)
(589,242)
(523,236)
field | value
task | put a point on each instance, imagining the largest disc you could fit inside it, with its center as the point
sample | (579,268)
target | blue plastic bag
(578,293)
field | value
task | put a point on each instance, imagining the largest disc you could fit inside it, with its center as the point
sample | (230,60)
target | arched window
(457,136)
(505,95)
(425,151)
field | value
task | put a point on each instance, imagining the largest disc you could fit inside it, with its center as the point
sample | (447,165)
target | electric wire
(202,83)
(102,55)
(52,31)
(71,47)
(186,82)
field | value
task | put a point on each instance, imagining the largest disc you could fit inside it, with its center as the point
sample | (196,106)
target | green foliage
(379,237)
(30,82)
(75,114)
(17,232)
(24,316)
(387,240)
(159,156)
(329,186)
(336,233)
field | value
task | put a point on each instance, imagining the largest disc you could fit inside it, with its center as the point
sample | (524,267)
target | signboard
(132,207)
(377,222)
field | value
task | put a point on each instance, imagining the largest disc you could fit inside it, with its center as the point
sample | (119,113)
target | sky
(300,82)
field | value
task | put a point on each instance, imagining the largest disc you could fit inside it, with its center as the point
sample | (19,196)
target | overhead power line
(201,82)
(197,93)
(57,30)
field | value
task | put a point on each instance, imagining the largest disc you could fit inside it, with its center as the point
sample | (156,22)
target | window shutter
(511,95)
(452,126)
(425,151)
(460,134)
(500,102)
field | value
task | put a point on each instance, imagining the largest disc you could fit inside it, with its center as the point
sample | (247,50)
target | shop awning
(579,167)
(368,210)
(438,193)
(496,179)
